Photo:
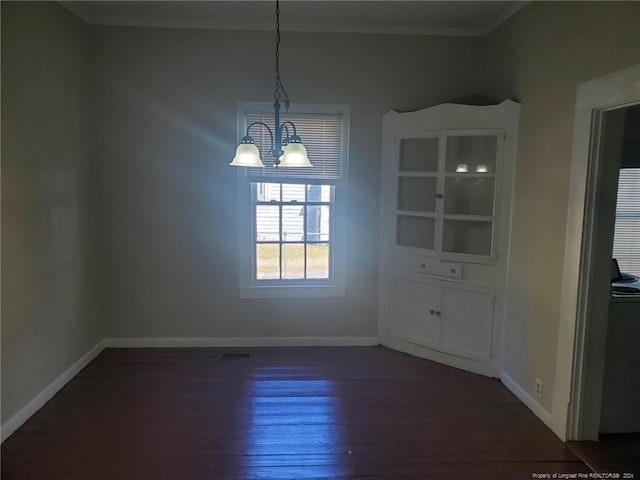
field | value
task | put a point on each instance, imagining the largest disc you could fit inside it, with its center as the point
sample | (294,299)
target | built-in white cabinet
(447,317)
(447,179)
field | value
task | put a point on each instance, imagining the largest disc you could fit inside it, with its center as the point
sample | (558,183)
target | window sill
(292,291)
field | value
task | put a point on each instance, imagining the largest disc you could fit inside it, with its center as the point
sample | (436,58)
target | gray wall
(48,201)
(539,57)
(167,109)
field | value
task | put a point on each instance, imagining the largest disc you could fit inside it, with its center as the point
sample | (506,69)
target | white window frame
(335,286)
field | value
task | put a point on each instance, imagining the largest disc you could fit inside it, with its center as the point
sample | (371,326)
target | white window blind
(626,241)
(321,134)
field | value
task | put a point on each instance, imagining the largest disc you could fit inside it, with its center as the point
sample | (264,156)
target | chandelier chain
(279,91)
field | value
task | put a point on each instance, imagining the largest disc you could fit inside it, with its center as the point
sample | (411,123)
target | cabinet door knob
(439,195)
(438,313)
(432,312)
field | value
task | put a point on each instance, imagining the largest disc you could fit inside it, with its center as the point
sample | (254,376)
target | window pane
(266,192)
(267,261)
(314,193)
(318,223)
(477,153)
(325,193)
(292,223)
(292,192)
(293,260)
(318,261)
(267,223)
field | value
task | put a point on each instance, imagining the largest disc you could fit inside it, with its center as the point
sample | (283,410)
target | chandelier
(287,151)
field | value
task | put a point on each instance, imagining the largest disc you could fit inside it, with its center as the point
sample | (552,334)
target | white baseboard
(525,398)
(240,342)
(45,395)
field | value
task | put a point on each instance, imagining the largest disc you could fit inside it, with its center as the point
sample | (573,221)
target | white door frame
(573,396)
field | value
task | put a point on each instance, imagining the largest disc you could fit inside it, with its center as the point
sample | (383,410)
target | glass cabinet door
(469,194)
(446,196)
(416,192)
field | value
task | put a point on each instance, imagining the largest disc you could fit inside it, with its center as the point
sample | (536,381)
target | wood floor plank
(282,413)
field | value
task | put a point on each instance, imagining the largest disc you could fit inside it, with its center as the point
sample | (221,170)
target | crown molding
(503,17)
(80,10)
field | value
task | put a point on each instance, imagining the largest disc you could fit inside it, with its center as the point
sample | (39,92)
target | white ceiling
(467,18)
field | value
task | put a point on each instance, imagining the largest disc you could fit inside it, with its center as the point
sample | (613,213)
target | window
(626,240)
(293,231)
(293,220)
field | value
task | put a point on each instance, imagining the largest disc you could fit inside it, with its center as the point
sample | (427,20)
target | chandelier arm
(284,129)
(262,124)
(286,124)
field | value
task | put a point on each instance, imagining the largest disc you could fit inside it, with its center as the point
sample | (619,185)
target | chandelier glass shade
(247,154)
(286,146)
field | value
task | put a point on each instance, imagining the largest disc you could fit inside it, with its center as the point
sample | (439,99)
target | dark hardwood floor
(281,413)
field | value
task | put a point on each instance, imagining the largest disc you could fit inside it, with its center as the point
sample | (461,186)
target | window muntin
(626,240)
(293,225)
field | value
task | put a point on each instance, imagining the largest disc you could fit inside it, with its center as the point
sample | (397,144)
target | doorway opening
(602,109)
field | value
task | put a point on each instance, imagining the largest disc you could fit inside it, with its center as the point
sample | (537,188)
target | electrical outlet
(538,388)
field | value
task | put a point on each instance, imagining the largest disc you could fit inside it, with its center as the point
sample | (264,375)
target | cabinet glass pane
(469,196)
(472,154)
(462,236)
(417,194)
(419,155)
(415,232)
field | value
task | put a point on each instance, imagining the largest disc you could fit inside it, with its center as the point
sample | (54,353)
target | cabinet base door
(467,321)
(410,310)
